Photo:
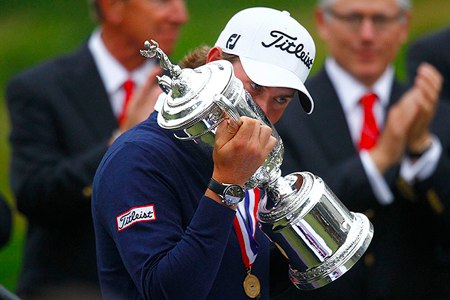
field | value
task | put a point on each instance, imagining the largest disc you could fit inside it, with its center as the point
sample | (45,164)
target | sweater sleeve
(175,251)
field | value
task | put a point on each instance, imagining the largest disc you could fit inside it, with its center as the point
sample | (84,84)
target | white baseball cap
(275,50)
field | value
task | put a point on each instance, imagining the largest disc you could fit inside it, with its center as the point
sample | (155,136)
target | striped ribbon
(245,224)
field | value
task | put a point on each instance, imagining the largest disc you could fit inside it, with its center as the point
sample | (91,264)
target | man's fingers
(232,127)
(225,131)
(429,81)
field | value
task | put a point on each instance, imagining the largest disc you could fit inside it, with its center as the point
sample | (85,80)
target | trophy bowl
(317,234)
(320,237)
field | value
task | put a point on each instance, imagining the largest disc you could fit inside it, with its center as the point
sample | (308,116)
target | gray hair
(403,4)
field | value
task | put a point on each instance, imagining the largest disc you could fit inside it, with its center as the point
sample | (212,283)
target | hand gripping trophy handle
(318,235)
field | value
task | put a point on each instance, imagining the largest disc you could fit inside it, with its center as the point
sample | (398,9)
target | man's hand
(408,121)
(143,101)
(426,89)
(391,144)
(240,150)
(142,104)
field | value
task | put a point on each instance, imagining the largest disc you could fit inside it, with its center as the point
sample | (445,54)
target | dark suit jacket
(400,262)
(433,48)
(5,221)
(61,121)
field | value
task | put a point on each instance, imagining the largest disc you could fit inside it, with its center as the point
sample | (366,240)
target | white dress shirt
(113,74)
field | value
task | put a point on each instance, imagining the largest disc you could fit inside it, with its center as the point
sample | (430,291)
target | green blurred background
(33,31)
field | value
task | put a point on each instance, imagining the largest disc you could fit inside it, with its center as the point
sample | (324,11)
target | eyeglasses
(353,21)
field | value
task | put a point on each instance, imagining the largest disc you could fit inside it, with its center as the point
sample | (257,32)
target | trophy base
(341,261)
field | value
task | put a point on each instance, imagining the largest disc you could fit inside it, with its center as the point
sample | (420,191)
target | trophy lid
(200,86)
(190,92)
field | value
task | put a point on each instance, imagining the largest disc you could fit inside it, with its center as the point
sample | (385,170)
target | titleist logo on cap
(287,43)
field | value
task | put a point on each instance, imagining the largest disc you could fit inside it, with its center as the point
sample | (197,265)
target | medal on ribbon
(245,225)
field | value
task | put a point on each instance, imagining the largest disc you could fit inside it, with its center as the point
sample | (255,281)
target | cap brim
(270,75)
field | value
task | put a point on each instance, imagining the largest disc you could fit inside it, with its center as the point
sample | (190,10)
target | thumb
(150,84)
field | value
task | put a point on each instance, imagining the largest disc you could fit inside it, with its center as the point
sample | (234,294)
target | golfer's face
(272,100)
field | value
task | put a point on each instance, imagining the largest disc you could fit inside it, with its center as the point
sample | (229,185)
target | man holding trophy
(178,219)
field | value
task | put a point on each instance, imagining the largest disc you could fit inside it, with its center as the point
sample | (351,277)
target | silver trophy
(318,235)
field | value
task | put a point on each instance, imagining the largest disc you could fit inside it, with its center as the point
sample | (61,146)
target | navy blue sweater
(157,235)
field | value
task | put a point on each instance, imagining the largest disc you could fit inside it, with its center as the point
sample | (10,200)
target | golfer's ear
(214,53)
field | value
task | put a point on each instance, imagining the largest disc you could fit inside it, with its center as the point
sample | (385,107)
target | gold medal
(252,286)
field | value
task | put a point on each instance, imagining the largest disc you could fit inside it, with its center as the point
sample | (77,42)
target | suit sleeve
(435,190)
(5,221)
(50,179)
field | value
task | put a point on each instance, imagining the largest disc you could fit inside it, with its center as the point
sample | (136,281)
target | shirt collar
(111,70)
(350,90)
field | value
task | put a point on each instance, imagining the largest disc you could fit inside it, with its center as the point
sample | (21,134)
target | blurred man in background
(433,48)
(64,114)
(384,151)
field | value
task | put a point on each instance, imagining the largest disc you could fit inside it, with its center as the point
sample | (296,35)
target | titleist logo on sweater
(288,43)
(135,215)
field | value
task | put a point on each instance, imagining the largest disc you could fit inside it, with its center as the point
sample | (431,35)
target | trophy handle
(190,137)
(227,107)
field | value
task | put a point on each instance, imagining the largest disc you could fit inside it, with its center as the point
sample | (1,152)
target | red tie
(369,133)
(128,87)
